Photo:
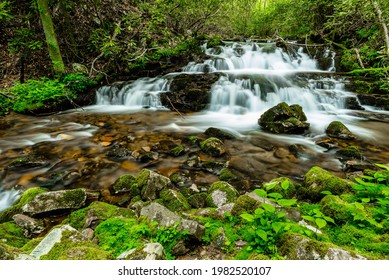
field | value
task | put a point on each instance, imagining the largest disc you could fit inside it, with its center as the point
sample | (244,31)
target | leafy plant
(169,237)
(316,217)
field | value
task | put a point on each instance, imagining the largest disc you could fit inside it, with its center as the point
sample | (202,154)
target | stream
(75,148)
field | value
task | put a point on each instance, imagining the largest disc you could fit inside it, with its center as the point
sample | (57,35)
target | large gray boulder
(166,218)
(283,118)
(151,183)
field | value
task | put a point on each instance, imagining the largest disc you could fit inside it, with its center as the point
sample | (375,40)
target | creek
(74,148)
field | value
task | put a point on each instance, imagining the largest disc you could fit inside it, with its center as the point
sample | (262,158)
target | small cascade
(7,198)
(140,93)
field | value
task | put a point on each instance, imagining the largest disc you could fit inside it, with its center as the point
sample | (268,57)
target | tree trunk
(381,20)
(51,39)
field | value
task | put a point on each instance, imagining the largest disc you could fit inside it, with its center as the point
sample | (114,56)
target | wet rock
(221,193)
(376,100)
(31,161)
(337,129)
(178,151)
(262,143)
(193,162)
(301,151)
(352,103)
(180,179)
(213,166)
(198,200)
(56,201)
(189,93)
(213,147)
(151,183)
(350,152)
(29,225)
(150,251)
(295,247)
(144,156)
(284,119)
(357,165)
(127,184)
(166,218)
(174,200)
(219,133)
(227,175)
(245,204)
(118,151)
(317,180)
(327,143)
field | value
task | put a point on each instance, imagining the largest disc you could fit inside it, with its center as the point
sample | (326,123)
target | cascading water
(7,198)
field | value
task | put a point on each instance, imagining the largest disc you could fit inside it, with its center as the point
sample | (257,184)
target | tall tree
(382,22)
(51,39)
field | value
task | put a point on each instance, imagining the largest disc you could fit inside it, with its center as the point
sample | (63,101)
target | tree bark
(382,22)
(51,39)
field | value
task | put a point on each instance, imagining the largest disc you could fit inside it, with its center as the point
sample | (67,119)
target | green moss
(317,180)
(245,204)
(73,197)
(351,152)
(101,210)
(227,175)
(8,252)
(26,197)
(30,245)
(117,235)
(127,183)
(342,212)
(198,200)
(70,248)
(177,151)
(193,140)
(12,235)
(230,191)
(174,200)
(213,147)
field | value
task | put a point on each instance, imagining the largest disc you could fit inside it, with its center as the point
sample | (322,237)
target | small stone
(29,225)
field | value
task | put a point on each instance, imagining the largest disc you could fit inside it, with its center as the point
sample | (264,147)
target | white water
(7,198)
(254,78)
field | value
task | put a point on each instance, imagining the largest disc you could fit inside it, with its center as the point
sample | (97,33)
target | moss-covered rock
(296,247)
(149,251)
(8,252)
(96,213)
(151,183)
(56,201)
(350,152)
(178,151)
(341,211)
(13,235)
(227,175)
(221,193)
(26,197)
(337,129)
(282,185)
(174,200)
(245,204)
(198,200)
(317,180)
(213,146)
(283,118)
(219,133)
(127,184)
(71,247)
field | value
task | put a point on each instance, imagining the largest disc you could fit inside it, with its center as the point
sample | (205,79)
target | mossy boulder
(31,161)
(12,235)
(213,146)
(350,152)
(127,184)
(221,193)
(283,118)
(178,151)
(282,185)
(26,197)
(55,202)
(72,247)
(227,175)
(219,133)
(96,213)
(317,180)
(198,200)
(245,204)
(296,247)
(151,183)
(31,227)
(337,129)
(341,211)
(174,200)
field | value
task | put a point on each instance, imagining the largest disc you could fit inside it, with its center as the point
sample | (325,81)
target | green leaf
(275,195)
(259,212)
(260,192)
(286,202)
(359,206)
(247,217)
(262,234)
(365,200)
(268,208)
(281,215)
(270,186)
(308,218)
(329,219)
(276,227)
(320,222)
(382,166)
(326,192)
(285,184)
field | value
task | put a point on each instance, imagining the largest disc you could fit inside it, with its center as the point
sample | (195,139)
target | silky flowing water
(72,146)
